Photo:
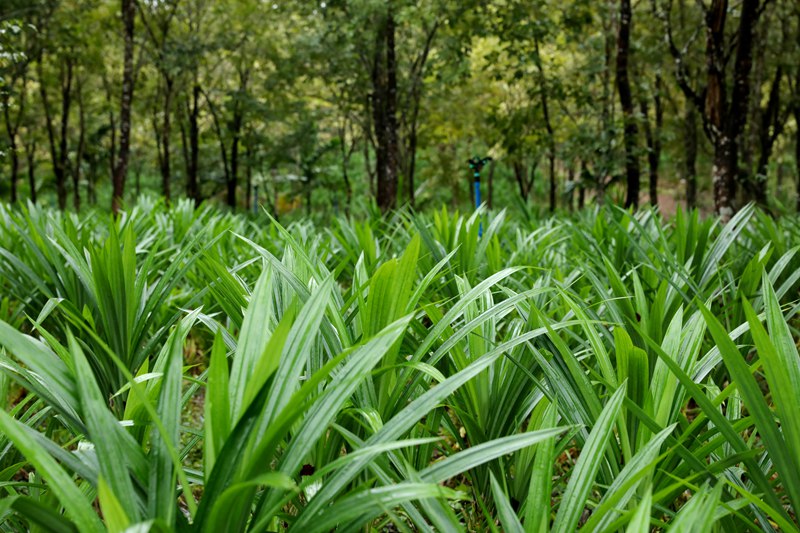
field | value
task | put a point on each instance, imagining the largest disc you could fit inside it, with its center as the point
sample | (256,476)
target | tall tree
(652,134)
(723,109)
(126,105)
(384,109)
(631,131)
(12,100)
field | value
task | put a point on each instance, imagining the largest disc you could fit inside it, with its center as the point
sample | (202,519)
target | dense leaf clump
(181,369)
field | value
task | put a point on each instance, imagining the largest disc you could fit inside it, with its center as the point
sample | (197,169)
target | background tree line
(339,103)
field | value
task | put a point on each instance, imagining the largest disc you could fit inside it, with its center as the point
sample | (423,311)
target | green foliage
(190,370)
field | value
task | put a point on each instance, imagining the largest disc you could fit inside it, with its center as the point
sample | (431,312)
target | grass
(200,371)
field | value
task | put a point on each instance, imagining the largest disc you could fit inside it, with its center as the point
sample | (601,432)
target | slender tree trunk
(76,170)
(519,175)
(235,129)
(215,119)
(797,145)
(30,154)
(126,103)
(12,129)
(248,171)
(652,134)
(368,168)
(166,131)
(626,102)
(412,147)
(192,182)
(63,153)
(393,151)
(384,101)
(14,171)
(233,178)
(346,153)
(690,156)
(551,159)
(56,148)
(12,147)
(769,128)
(726,122)
(551,139)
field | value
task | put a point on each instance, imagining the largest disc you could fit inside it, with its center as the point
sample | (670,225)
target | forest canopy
(343,104)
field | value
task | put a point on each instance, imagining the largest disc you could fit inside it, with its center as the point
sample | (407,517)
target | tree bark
(797,138)
(192,182)
(384,102)
(58,148)
(126,104)
(233,177)
(30,154)
(690,156)
(724,115)
(166,131)
(248,165)
(12,126)
(652,134)
(769,129)
(63,154)
(76,169)
(551,139)
(346,153)
(524,183)
(626,102)
(215,119)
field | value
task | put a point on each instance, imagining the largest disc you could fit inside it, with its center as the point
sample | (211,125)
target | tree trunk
(626,102)
(12,147)
(192,182)
(797,144)
(215,120)
(346,153)
(412,147)
(384,101)
(233,177)
(14,171)
(690,156)
(63,154)
(551,158)
(12,128)
(248,166)
(126,103)
(30,153)
(57,149)
(76,170)
(726,122)
(519,175)
(235,129)
(652,134)
(769,128)
(166,131)
(551,140)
